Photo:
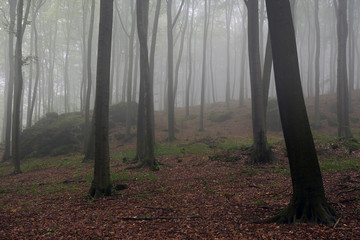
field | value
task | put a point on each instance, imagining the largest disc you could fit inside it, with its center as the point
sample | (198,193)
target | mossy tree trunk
(101,184)
(261,151)
(308,203)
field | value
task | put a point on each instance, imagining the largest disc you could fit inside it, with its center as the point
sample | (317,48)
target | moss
(117,113)
(220,117)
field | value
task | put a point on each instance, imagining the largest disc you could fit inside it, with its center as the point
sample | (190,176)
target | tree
(18,81)
(317,65)
(10,82)
(170,91)
(308,203)
(101,183)
(141,125)
(261,152)
(147,157)
(188,82)
(88,131)
(130,73)
(206,27)
(229,10)
(342,78)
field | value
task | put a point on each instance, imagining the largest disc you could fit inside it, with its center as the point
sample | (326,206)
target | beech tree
(308,202)
(203,76)
(18,82)
(10,81)
(101,184)
(261,152)
(342,76)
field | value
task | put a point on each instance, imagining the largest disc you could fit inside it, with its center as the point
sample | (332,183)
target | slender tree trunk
(182,40)
(261,150)
(18,83)
(142,10)
(229,9)
(130,73)
(342,78)
(88,136)
(101,184)
(308,203)
(8,110)
(37,74)
(317,66)
(206,27)
(188,82)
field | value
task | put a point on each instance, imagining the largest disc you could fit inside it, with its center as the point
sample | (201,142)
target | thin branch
(178,13)
(119,16)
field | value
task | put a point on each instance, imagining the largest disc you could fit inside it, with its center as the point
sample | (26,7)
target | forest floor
(203,190)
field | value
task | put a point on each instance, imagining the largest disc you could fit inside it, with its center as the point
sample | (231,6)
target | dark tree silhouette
(147,157)
(261,152)
(342,77)
(308,203)
(101,184)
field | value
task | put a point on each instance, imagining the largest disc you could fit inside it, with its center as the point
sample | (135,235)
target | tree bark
(203,78)
(89,131)
(261,151)
(10,82)
(142,10)
(317,66)
(101,184)
(342,77)
(18,83)
(308,203)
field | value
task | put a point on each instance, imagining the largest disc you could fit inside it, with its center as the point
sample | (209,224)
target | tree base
(318,212)
(16,172)
(152,165)
(262,157)
(97,192)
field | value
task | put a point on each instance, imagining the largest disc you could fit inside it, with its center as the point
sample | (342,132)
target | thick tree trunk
(308,202)
(101,184)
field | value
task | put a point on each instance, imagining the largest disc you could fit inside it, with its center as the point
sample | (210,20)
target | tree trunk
(308,203)
(8,110)
(206,27)
(261,151)
(188,82)
(130,73)
(317,66)
(229,9)
(342,78)
(142,10)
(18,83)
(88,147)
(101,184)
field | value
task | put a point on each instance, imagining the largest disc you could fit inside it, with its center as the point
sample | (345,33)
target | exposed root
(314,213)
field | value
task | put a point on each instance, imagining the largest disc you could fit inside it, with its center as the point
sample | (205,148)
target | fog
(62,27)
